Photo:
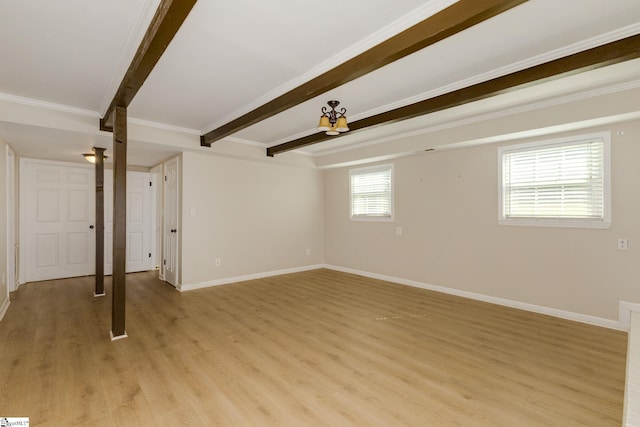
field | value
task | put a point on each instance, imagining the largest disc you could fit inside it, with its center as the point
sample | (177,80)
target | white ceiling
(65,52)
(230,57)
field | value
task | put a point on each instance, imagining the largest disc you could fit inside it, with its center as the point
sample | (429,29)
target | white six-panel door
(57,235)
(57,206)
(139,222)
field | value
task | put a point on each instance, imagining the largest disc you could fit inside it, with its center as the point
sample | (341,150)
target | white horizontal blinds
(555,181)
(371,192)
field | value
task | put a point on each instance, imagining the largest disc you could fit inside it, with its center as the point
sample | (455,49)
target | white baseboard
(228,280)
(625,309)
(4,308)
(577,317)
(119,337)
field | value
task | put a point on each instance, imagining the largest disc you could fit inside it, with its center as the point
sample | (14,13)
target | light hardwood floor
(307,349)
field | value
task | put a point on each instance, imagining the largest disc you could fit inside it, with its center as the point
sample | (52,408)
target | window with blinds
(372,193)
(560,182)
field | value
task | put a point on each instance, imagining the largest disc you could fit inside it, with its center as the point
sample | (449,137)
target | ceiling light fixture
(331,121)
(91,157)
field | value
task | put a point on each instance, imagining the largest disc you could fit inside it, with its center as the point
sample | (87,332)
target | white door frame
(11,220)
(167,235)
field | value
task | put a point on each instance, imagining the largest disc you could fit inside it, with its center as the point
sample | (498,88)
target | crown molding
(548,131)
(259,144)
(48,105)
(163,126)
(89,113)
(294,136)
(244,141)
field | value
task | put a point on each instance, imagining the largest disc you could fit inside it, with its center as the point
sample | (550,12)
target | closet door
(140,214)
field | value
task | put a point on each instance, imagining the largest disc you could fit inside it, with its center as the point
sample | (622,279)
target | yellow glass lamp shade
(324,124)
(341,125)
(333,131)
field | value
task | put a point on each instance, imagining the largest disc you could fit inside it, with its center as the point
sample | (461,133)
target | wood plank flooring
(307,349)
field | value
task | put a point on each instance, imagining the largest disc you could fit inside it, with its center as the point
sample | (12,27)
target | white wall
(4,293)
(446,203)
(256,216)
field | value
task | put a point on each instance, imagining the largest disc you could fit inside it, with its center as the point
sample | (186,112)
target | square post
(99,153)
(119,223)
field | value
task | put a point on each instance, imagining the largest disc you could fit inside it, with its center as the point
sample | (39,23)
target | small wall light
(91,157)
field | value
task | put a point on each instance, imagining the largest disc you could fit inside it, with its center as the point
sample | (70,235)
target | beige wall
(255,216)
(4,296)
(446,203)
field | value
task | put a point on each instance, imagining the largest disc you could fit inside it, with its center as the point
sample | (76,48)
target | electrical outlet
(399,231)
(308,252)
(623,244)
(218,262)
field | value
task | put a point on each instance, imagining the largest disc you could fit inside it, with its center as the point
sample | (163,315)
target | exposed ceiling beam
(165,24)
(455,18)
(608,54)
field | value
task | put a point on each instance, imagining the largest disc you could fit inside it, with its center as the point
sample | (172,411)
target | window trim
(373,218)
(605,222)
